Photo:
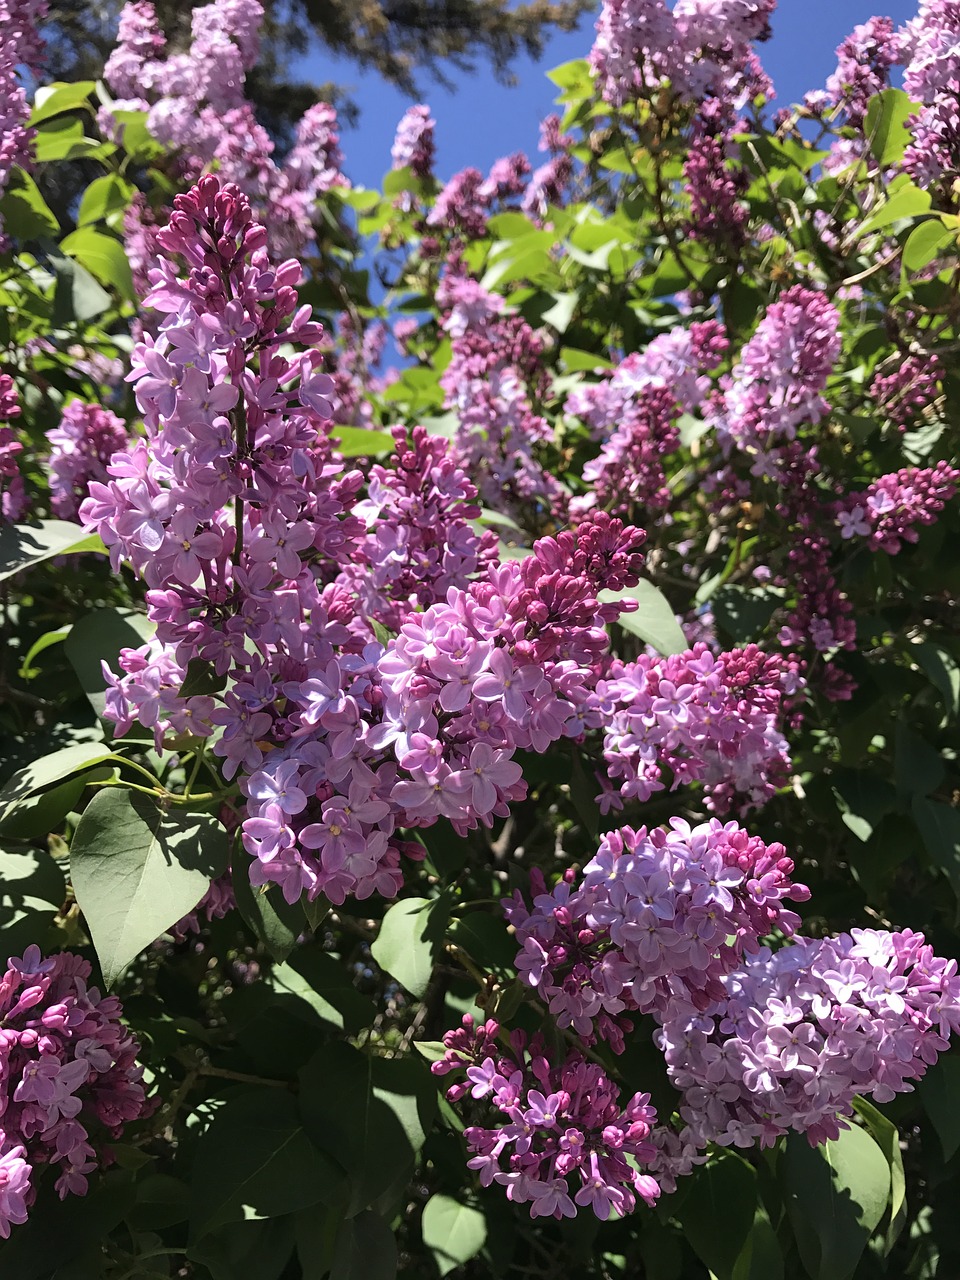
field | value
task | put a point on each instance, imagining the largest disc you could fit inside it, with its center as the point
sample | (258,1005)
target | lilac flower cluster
(413,147)
(701,48)
(633,410)
(13,498)
(777,384)
(68,1073)
(799,1032)
(715,182)
(81,446)
(929,47)
(705,717)
(238,516)
(657,920)
(549,181)
(902,395)
(864,60)
(420,541)
(890,509)
(495,373)
(553,1123)
(197,107)
(20,46)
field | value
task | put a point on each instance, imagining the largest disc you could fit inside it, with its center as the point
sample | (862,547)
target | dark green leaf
(138,869)
(718,1211)
(24,545)
(364,1250)
(26,215)
(98,637)
(256,1161)
(277,923)
(836,1196)
(371,1114)
(939,825)
(940,1089)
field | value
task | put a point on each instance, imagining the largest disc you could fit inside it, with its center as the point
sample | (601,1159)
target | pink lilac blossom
(81,446)
(902,395)
(800,1032)
(545,1124)
(778,382)
(864,60)
(696,717)
(197,106)
(241,520)
(13,498)
(893,506)
(494,375)
(413,147)
(420,541)
(715,183)
(462,207)
(68,1076)
(656,921)
(20,45)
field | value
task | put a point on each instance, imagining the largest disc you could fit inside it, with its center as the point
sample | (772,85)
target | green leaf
(762,1257)
(78,297)
(453,1232)
(942,669)
(885,126)
(26,215)
(918,767)
(277,923)
(364,1250)
(939,1090)
(372,1114)
(138,869)
(571,75)
(251,1250)
(256,1161)
(135,137)
(103,256)
(44,772)
(24,545)
(718,1211)
(361,442)
(315,976)
(907,202)
(106,195)
(63,139)
(485,938)
(887,1139)
(653,621)
(59,1230)
(27,670)
(32,890)
(562,311)
(926,242)
(53,99)
(835,1195)
(412,930)
(575,361)
(939,824)
(744,613)
(99,636)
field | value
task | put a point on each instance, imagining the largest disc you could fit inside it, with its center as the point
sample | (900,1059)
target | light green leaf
(48,770)
(26,215)
(361,442)
(453,1232)
(653,621)
(53,99)
(907,202)
(885,125)
(137,870)
(63,139)
(887,1137)
(106,195)
(926,242)
(103,256)
(836,1196)
(411,931)
(23,545)
(562,311)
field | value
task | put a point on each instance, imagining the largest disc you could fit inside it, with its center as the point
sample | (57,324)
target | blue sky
(483,120)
